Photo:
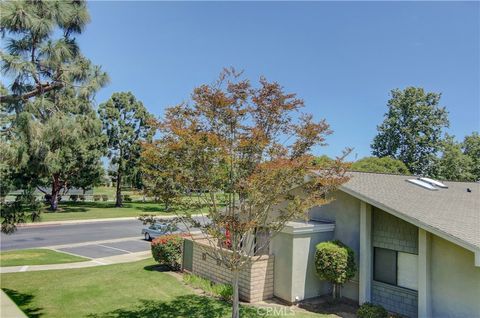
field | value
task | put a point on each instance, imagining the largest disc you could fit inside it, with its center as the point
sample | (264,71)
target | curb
(70,222)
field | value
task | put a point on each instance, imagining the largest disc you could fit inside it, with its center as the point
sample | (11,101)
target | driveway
(106,249)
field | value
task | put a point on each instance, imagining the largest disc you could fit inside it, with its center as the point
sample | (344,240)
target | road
(50,235)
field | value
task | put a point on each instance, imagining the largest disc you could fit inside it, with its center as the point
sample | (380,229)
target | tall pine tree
(51,129)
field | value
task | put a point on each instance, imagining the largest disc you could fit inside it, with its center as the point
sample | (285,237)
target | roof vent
(434,182)
(423,184)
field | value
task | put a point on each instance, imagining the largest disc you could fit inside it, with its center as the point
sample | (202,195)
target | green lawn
(98,210)
(112,191)
(123,290)
(36,257)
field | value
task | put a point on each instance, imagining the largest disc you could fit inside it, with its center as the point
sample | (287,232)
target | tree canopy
(453,163)
(471,148)
(51,130)
(231,143)
(126,123)
(380,165)
(412,130)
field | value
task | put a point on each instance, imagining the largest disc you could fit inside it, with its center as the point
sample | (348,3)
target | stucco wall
(344,210)
(282,248)
(294,275)
(455,281)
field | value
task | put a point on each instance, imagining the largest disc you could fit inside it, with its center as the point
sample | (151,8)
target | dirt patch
(326,305)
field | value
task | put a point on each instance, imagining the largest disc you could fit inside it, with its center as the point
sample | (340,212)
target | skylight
(434,182)
(423,184)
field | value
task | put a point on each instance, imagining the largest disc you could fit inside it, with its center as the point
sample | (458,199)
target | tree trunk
(336,291)
(54,195)
(235,300)
(118,199)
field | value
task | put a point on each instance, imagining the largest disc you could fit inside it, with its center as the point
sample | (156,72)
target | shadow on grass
(152,209)
(23,300)
(192,306)
(157,268)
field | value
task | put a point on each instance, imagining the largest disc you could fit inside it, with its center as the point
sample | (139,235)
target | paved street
(43,235)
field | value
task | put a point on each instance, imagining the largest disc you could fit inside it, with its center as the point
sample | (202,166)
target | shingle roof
(453,212)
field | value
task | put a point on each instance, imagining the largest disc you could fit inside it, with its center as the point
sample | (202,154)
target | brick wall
(393,233)
(256,280)
(396,299)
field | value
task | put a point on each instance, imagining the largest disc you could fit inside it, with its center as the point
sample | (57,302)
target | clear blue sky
(342,58)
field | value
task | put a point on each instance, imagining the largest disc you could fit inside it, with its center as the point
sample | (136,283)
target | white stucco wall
(455,281)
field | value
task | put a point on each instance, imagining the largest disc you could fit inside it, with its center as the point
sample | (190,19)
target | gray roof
(452,213)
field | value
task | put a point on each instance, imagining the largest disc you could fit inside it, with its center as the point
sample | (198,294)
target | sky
(342,58)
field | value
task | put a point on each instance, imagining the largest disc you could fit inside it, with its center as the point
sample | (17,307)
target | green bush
(369,310)
(335,262)
(127,198)
(167,250)
(96,197)
(104,197)
(82,197)
(222,291)
(74,197)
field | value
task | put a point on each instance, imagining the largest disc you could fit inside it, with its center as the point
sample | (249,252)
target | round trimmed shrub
(167,250)
(369,310)
(335,262)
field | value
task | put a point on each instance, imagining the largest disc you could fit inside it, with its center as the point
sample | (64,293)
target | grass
(223,291)
(136,289)
(97,210)
(36,257)
(112,191)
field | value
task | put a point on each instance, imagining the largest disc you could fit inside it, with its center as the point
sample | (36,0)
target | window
(407,270)
(395,268)
(385,267)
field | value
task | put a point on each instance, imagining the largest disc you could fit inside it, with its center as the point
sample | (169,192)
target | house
(417,247)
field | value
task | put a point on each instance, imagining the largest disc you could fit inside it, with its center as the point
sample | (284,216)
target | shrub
(335,262)
(167,250)
(369,310)
(96,197)
(127,198)
(222,291)
(82,197)
(74,197)
(104,197)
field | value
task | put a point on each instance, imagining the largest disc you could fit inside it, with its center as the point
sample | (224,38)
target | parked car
(155,230)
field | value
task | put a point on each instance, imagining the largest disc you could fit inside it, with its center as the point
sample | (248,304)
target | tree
(233,150)
(53,130)
(323,161)
(380,165)
(471,148)
(412,129)
(335,262)
(454,164)
(126,123)
(160,171)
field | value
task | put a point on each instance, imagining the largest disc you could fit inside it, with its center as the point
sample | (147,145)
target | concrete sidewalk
(8,309)
(117,259)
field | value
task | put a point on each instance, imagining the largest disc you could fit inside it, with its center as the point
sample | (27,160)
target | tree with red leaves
(241,152)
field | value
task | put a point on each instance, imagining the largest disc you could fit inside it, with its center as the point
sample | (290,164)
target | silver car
(155,230)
